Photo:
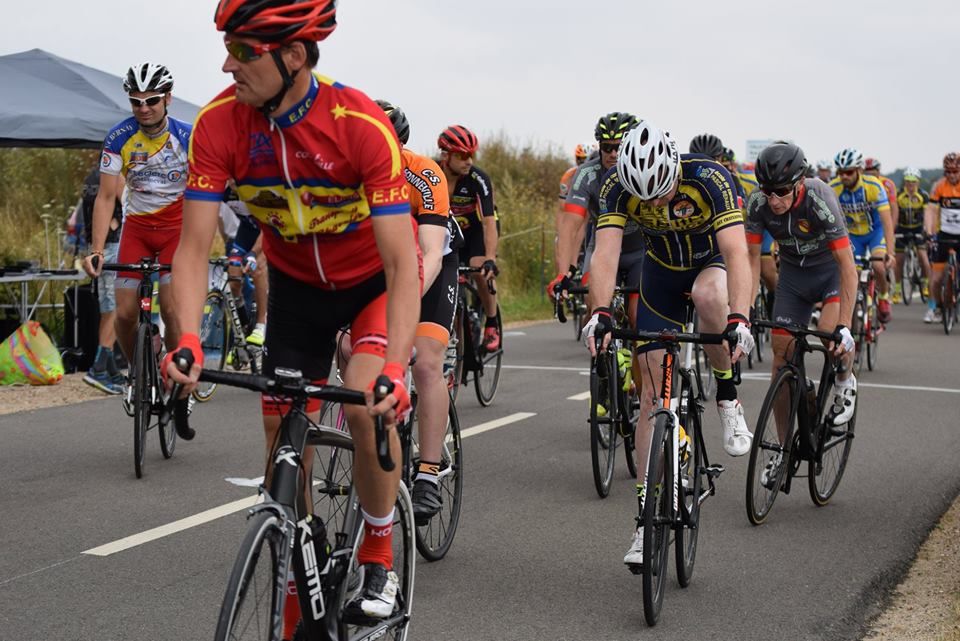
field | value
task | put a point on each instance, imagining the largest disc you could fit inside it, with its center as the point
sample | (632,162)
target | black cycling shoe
(427,501)
(181,412)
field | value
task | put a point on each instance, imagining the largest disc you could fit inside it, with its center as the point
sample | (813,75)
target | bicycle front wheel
(142,401)
(704,372)
(873,338)
(214,339)
(334,500)
(487,378)
(769,460)
(656,518)
(251,607)
(910,265)
(826,468)
(690,488)
(948,301)
(603,411)
(857,330)
(434,538)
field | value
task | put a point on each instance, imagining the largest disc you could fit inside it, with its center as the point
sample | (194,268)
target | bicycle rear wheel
(826,468)
(251,605)
(768,464)
(690,488)
(656,518)
(142,401)
(602,432)
(628,426)
(434,538)
(214,339)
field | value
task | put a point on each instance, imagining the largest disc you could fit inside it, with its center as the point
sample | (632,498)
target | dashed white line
(582,396)
(236,506)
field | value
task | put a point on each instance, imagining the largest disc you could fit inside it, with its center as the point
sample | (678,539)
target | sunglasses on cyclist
(150,101)
(779,192)
(244,52)
(951,172)
(609,147)
(847,173)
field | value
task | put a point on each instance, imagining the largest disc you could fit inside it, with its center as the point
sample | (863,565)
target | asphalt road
(538,555)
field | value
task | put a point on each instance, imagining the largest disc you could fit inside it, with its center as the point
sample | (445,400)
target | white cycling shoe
(736,435)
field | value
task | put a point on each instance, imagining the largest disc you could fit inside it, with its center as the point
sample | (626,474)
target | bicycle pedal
(635,568)
(715,470)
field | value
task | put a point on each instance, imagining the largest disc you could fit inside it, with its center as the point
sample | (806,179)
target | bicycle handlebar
(669,336)
(477,270)
(795,330)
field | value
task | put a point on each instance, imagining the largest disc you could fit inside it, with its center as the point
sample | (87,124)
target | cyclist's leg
(164,243)
(131,250)
(710,298)
(433,399)
(789,307)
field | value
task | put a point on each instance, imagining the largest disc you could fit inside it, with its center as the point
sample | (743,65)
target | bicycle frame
(239,340)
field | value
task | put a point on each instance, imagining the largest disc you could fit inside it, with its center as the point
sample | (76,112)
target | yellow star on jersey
(339,112)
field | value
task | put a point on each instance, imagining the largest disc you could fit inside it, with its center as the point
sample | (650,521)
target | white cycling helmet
(849,158)
(648,161)
(148,76)
(911,174)
(824,164)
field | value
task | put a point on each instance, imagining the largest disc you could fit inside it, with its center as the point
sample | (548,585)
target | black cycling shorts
(800,288)
(247,234)
(304,321)
(440,301)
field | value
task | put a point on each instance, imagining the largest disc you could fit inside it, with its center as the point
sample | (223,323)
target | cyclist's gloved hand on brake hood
(400,403)
(842,339)
(489,268)
(172,374)
(738,336)
(597,329)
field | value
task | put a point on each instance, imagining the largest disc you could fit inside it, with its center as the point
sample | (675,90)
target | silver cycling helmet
(849,158)
(148,76)
(648,161)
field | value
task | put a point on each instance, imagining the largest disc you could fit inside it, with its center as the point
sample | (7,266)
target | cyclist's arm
(754,249)
(433,240)
(930,214)
(111,186)
(886,219)
(603,266)
(200,219)
(490,237)
(736,257)
(570,226)
(848,281)
(754,228)
(394,236)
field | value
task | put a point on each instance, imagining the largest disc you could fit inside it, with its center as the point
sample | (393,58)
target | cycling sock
(931,303)
(291,607)
(491,321)
(726,390)
(242,313)
(641,491)
(377,546)
(428,471)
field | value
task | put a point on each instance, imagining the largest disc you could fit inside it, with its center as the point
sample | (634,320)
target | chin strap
(271,105)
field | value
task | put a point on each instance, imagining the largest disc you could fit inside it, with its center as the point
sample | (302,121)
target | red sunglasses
(244,52)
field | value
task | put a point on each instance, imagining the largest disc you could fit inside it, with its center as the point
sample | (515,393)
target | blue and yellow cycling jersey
(863,204)
(681,234)
(749,184)
(154,167)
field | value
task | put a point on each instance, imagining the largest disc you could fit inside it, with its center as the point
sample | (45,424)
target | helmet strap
(271,105)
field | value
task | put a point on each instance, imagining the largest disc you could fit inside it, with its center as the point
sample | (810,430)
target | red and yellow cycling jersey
(313,176)
(565,182)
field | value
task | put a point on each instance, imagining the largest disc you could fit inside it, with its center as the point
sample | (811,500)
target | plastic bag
(29,356)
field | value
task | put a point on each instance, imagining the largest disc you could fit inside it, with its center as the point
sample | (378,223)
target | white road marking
(910,388)
(236,506)
(582,396)
(547,368)
(514,333)
(242,482)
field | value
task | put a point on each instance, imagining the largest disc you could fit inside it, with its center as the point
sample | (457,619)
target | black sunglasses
(779,192)
(609,147)
(150,101)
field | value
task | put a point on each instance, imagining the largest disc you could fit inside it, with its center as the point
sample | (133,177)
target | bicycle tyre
(947,302)
(214,339)
(873,339)
(142,403)
(702,365)
(836,441)
(245,581)
(858,332)
(766,446)
(394,627)
(457,375)
(628,429)
(602,433)
(656,518)
(688,526)
(435,538)
(906,274)
(484,382)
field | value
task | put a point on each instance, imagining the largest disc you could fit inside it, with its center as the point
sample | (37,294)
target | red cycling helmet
(951,161)
(459,139)
(871,163)
(277,20)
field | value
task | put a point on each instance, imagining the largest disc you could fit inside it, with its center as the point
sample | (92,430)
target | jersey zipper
(286,175)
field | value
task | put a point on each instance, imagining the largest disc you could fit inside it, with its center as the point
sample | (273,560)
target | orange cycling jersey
(946,196)
(565,182)
(430,196)
(313,176)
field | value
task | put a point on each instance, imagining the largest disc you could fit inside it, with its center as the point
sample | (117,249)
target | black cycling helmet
(780,165)
(398,119)
(708,145)
(728,155)
(614,126)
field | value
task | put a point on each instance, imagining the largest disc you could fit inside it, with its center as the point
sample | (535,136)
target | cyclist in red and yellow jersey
(319,166)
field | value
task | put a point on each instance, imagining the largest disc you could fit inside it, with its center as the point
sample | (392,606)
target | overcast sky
(881,76)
